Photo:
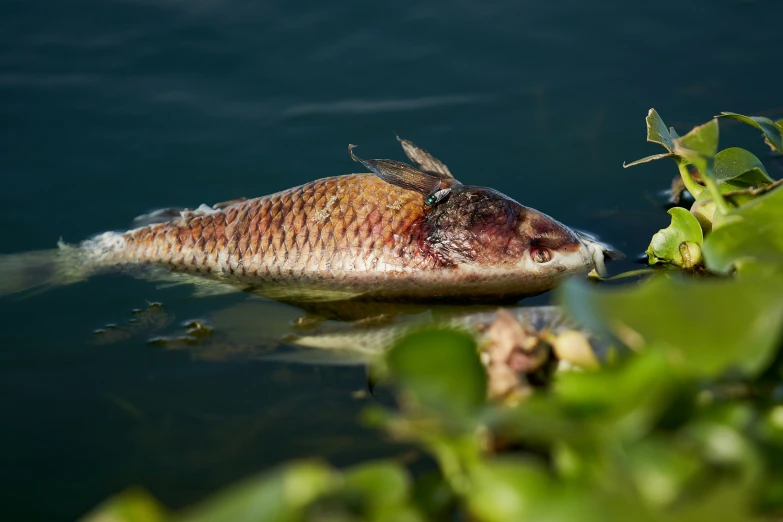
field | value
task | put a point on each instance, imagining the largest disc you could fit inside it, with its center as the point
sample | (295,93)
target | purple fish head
(484,230)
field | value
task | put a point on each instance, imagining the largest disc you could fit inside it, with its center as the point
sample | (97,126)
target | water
(112,108)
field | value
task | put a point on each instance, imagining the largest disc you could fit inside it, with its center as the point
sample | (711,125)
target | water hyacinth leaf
(278,496)
(779,123)
(433,496)
(440,369)
(619,402)
(632,394)
(704,206)
(740,166)
(648,159)
(507,490)
(666,244)
(513,489)
(657,131)
(750,234)
(699,147)
(382,485)
(130,506)
(686,319)
(725,446)
(773,131)
(724,501)
(662,469)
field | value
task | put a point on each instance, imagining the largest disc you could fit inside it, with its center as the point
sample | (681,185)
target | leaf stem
(720,201)
(632,273)
(694,188)
(754,191)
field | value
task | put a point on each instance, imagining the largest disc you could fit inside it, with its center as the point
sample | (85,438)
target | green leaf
(732,177)
(636,390)
(657,131)
(750,234)
(512,489)
(662,471)
(703,209)
(724,502)
(648,159)
(699,147)
(277,496)
(381,484)
(585,409)
(667,244)
(724,446)
(134,505)
(440,370)
(433,496)
(740,166)
(507,490)
(773,131)
(704,326)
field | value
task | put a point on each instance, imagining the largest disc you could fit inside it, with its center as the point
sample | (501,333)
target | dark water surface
(112,108)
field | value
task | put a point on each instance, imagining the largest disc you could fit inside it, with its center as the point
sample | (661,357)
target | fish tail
(32,272)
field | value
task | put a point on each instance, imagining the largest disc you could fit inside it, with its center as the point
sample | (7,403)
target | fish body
(399,233)
(343,235)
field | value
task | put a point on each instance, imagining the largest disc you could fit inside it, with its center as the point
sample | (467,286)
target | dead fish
(402,232)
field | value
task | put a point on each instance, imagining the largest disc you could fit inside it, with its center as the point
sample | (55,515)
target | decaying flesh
(399,233)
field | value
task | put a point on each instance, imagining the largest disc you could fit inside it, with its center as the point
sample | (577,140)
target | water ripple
(359,106)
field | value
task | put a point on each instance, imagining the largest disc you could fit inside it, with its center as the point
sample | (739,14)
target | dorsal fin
(425,161)
(163,215)
(400,174)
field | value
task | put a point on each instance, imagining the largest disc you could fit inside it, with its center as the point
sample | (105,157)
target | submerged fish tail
(43,269)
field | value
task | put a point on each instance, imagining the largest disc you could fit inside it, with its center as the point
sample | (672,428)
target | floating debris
(142,322)
(511,352)
(196,330)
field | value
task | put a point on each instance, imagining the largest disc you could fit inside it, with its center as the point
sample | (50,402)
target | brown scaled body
(337,235)
(402,233)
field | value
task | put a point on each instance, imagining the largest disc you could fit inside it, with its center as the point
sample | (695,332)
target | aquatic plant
(682,421)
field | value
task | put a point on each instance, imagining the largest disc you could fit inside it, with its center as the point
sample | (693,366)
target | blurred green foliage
(683,423)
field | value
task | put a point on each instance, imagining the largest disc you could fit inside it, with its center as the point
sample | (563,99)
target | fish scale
(335,228)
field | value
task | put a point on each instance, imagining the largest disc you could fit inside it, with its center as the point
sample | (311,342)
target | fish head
(484,229)
(487,234)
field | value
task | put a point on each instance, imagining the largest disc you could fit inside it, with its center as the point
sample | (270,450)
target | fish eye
(540,254)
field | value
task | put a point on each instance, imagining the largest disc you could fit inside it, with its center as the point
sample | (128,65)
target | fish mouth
(598,252)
